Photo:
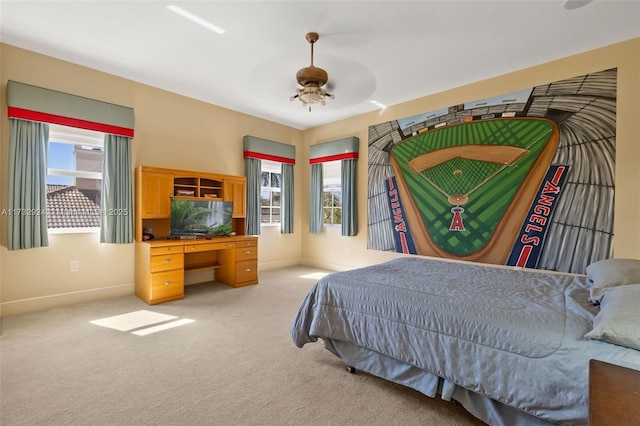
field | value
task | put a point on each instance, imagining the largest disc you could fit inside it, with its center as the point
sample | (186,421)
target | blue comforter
(514,336)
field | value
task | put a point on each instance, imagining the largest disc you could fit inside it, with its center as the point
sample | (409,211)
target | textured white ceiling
(389,51)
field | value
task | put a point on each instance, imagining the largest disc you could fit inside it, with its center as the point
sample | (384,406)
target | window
(332,193)
(74,178)
(270,192)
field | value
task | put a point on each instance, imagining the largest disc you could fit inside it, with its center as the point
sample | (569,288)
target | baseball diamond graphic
(491,167)
(456,192)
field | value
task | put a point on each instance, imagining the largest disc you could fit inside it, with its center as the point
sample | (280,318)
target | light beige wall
(170,131)
(331,250)
(177,132)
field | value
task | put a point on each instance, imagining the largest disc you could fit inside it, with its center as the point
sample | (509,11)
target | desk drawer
(166,250)
(249,252)
(167,284)
(167,262)
(193,248)
(247,271)
(253,242)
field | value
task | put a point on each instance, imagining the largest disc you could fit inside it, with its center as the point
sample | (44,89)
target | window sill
(269,225)
(62,231)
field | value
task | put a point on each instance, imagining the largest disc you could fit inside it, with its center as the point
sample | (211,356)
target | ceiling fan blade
(330,86)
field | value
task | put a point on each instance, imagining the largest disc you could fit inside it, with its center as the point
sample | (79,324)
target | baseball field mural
(524,179)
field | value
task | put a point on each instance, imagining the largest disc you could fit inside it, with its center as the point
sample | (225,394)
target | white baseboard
(24,306)
(279,264)
(325,265)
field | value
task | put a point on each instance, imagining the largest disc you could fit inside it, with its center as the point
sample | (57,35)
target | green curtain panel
(253,171)
(349,201)
(116,221)
(315,199)
(286,198)
(27,198)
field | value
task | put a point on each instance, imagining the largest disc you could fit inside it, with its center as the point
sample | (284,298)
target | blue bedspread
(514,336)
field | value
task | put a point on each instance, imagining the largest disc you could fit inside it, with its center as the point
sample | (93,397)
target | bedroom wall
(333,251)
(170,131)
(177,132)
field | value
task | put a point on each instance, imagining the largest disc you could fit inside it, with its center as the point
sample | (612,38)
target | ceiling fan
(312,79)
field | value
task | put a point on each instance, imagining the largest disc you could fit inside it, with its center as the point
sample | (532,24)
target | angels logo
(456,221)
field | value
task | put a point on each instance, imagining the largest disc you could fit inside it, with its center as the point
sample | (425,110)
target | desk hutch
(162,261)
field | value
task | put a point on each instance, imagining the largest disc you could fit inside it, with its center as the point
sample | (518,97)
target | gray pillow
(609,273)
(618,321)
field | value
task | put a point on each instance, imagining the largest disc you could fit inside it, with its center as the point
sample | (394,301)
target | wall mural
(523,179)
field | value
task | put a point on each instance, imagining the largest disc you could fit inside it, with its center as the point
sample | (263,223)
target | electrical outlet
(74,266)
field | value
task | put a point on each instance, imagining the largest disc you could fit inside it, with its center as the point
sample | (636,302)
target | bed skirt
(486,409)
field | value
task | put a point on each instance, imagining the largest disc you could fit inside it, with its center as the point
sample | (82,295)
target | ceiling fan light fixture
(312,79)
(309,95)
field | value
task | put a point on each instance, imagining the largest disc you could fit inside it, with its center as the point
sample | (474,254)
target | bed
(511,345)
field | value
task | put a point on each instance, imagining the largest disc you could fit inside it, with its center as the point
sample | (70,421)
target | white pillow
(608,273)
(618,321)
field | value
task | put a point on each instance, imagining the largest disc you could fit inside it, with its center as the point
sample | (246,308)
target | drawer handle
(167,282)
(248,270)
(169,250)
(167,260)
(247,252)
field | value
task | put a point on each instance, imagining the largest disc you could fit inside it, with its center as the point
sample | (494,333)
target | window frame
(332,182)
(269,166)
(73,136)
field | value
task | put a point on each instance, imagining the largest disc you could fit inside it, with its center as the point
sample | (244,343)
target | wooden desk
(614,395)
(160,264)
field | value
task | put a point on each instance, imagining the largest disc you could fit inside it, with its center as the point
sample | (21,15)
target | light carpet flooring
(221,356)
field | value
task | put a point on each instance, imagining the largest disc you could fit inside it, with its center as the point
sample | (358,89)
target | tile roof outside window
(70,207)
